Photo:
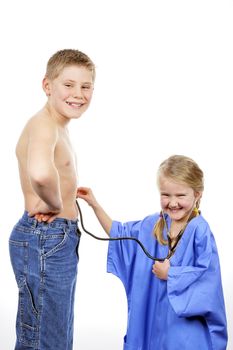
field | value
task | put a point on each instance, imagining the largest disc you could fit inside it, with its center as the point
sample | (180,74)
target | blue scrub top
(185,312)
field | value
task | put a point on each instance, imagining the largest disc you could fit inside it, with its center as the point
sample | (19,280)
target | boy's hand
(43,213)
(160,269)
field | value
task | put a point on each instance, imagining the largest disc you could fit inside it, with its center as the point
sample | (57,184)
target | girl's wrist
(95,206)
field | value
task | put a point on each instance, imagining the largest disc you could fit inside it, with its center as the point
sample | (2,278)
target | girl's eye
(86,87)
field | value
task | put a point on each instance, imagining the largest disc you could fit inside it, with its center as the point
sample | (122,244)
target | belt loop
(68,223)
(35,223)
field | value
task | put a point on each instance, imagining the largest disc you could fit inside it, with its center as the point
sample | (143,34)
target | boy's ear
(46,86)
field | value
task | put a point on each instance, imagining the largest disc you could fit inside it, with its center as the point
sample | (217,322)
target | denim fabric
(44,258)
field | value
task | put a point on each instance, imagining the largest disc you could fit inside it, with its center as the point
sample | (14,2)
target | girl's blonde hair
(183,170)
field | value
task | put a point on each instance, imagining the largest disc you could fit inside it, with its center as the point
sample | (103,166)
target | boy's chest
(64,155)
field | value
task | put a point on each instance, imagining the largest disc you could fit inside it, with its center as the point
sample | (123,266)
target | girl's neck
(176,227)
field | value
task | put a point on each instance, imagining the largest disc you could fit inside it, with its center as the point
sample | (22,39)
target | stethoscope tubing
(120,239)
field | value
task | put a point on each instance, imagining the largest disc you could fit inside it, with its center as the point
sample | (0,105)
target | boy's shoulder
(41,121)
(40,117)
(39,128)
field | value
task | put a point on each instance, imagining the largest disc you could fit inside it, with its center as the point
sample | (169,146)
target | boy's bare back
(45,156)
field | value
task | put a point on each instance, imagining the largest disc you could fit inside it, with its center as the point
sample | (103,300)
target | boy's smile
(69,95)
(74,104)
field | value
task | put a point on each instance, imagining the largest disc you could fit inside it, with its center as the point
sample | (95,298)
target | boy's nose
(77,92)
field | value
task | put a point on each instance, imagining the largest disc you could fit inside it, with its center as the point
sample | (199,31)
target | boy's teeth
(74,104)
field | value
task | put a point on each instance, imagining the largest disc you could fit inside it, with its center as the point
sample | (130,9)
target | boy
(43,244)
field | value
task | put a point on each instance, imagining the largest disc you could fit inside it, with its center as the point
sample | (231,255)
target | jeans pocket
(19,258)
(53,243)
(27,318)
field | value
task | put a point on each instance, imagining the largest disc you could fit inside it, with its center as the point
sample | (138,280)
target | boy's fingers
(53,217)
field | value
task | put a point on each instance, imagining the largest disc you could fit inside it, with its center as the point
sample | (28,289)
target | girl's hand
(86,194)
(160,269)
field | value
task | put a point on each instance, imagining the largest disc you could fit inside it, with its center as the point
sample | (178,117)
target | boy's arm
(104,219)
(41,168)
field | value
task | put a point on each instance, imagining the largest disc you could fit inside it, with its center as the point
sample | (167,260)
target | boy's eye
(68,85)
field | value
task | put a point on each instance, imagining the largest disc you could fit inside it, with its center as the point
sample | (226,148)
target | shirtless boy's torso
(51,145)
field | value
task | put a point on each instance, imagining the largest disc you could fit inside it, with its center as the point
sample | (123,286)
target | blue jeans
(44,258)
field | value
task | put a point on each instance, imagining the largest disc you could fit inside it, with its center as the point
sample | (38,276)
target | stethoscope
(171,248)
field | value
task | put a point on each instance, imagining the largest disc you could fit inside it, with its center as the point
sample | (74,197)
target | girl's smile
(177,199)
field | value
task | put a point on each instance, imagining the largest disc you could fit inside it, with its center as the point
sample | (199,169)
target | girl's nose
(173,203)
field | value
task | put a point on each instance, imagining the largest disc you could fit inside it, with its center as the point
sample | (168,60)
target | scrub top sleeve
(121,254)
(127,229)
(188,286)
(197,290)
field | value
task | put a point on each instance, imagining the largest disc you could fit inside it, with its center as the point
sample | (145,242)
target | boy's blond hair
(68,57)
(183,170)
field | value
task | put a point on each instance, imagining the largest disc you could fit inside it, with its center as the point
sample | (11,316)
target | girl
(176,303)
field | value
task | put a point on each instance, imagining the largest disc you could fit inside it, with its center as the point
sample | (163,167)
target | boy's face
(70,93)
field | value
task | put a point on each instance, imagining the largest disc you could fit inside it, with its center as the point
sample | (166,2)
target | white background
(164,85)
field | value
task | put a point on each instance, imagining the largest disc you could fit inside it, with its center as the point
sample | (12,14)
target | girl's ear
(198,196)
(46,86)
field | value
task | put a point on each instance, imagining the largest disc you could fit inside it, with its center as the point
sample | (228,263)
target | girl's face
(177,199)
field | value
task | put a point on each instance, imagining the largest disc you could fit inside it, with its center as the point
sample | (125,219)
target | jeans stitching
(24,292)
(29,326)
(56,248)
